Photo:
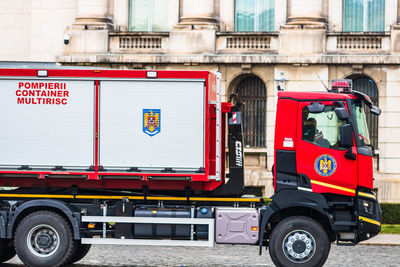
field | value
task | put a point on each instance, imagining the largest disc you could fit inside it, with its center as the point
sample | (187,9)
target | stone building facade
(253,43)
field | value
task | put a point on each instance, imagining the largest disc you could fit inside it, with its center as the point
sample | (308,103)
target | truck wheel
(8,251)
(299,241)
(44,239)
(81,251)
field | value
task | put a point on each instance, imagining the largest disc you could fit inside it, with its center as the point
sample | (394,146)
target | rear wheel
(299,241)
(44,239)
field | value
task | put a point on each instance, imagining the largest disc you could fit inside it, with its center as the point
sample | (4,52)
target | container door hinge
(59,168)
(25,167)
(168,170)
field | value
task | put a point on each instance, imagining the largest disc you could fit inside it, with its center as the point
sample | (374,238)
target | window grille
(252,91)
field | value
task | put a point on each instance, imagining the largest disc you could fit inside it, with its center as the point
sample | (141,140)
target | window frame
(149,17)
(249,123)
(365,18)
(256,17)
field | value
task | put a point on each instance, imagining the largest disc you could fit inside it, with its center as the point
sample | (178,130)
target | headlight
(366,206)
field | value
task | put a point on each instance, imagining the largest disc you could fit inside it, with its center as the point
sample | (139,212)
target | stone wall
(34,30)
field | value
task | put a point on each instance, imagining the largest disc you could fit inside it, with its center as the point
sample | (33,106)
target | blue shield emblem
(151,121)
(325,165)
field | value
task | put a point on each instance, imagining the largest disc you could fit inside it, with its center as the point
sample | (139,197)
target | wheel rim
(299,246)
(43,240)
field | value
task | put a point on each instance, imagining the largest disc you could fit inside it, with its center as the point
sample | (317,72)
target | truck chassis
(31,223)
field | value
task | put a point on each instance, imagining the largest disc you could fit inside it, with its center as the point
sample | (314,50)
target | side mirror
(316,107)
(346,135)
(342,113)
(375,110)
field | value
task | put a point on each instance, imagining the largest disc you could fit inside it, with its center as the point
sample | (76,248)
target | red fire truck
(137,157)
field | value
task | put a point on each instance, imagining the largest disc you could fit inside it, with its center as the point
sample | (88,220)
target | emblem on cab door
(325,165)
(151,121)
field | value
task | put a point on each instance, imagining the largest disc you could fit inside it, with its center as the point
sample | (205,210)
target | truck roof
(105,73)
(314,95)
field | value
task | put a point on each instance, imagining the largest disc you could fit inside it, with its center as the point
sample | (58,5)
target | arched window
(253,92)
(367,86)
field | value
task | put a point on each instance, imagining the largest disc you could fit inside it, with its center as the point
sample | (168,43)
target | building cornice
(229,59)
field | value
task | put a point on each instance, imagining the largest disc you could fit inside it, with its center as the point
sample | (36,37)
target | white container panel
(180,140)
(46,123)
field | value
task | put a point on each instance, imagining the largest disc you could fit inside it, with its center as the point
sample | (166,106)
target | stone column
(89,33)
(198,12)
(306,12)
(196,30)
(227,15)
(306,28)
(121,16)
(93,12)
(395,26)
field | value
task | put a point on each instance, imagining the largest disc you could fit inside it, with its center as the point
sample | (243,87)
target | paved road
(224,255)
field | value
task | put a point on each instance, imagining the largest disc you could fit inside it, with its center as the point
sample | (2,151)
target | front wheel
(299,241)
(44,239)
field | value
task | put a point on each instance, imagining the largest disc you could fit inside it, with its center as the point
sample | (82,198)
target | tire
(81,251)
(44,239)
(299,241)
(8,251)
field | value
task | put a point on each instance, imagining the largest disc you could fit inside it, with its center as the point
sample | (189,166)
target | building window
(148,15)
(364,16)
(254,15)
(253,92)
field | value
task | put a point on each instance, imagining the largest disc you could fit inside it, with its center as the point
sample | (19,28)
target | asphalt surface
(224,255)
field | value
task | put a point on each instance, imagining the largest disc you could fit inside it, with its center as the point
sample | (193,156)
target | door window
(322,128)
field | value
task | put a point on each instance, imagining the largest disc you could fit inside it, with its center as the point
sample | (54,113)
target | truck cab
(323,170)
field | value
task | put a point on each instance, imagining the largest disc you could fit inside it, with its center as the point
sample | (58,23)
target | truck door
(319,155)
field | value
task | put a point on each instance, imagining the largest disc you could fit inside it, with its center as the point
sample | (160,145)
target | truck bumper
(369,217)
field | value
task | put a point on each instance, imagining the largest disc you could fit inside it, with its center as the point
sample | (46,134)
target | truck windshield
(359,112)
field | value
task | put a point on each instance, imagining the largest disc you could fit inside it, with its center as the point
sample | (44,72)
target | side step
(345,244)
(151,220)
(349,240)
(341,203)
(344,223)
(147,242)
(343,226)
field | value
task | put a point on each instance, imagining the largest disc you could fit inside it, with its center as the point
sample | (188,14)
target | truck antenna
(326,87)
